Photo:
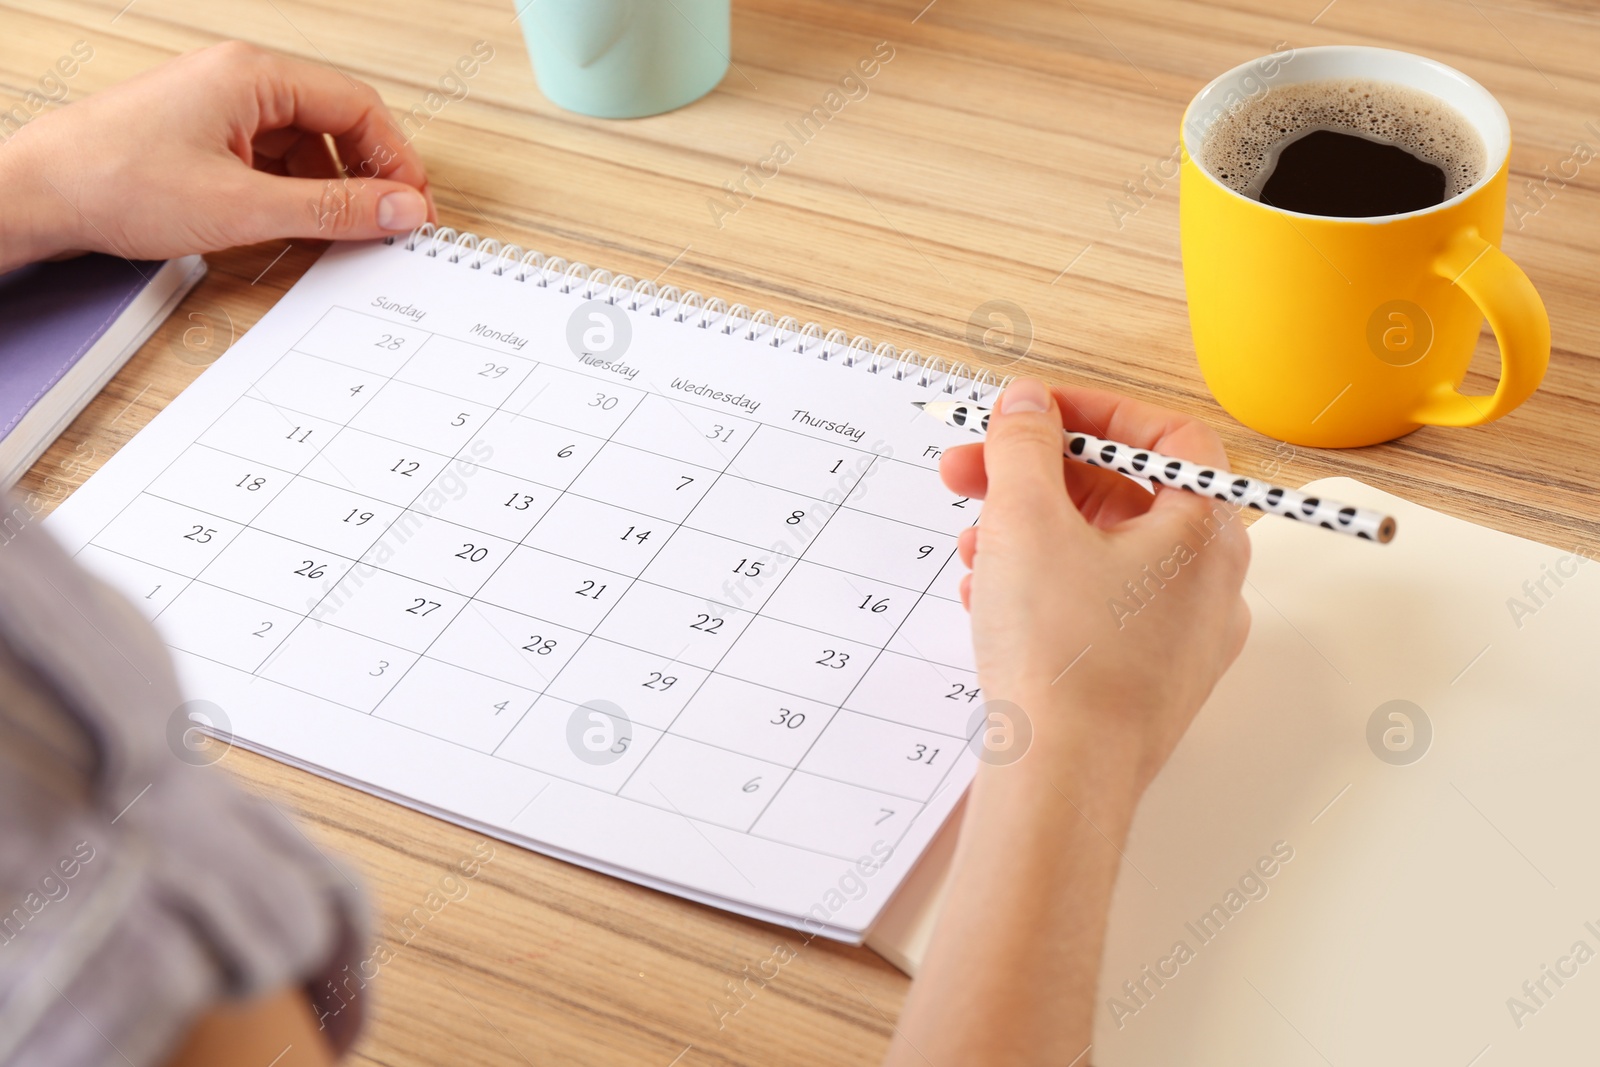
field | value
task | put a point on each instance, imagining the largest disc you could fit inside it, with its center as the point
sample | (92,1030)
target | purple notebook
(69,326)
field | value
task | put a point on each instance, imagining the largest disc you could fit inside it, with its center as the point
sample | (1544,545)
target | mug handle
(1516,314)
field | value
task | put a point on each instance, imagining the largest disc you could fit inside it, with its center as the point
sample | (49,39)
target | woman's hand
(217,148)
(1100,609)
(1102,615)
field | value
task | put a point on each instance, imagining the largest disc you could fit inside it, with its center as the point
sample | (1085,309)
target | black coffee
(1347,148)
(1327,172)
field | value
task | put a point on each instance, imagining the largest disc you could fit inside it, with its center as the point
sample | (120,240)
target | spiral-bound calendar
(627,576)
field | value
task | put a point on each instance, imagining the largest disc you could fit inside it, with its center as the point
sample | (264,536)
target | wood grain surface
(980,165)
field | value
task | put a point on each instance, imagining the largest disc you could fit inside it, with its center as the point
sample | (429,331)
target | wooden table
(980,166)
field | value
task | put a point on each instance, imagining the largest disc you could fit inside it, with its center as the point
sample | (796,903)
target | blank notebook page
(1375,843)
(1382,824)
(678,602)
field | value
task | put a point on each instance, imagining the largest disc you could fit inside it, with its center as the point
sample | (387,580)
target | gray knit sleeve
(138,885)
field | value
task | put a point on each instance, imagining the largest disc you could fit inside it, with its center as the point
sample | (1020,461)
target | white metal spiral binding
(809,339)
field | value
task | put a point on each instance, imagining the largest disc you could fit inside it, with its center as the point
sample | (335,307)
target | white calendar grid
(472,544)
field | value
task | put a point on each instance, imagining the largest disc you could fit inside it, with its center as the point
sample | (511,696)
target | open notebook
(1376,844)
(651,584)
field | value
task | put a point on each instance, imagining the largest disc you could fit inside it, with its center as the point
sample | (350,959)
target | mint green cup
(624,59)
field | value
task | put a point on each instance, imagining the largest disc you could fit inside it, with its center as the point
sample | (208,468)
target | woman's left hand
(217,148)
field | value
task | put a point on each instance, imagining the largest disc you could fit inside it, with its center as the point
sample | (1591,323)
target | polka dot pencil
(1182,474)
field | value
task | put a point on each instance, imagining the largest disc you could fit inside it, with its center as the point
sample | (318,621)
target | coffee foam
(1241,147)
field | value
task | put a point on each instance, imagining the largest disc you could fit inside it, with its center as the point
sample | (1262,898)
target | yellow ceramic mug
(1338,332)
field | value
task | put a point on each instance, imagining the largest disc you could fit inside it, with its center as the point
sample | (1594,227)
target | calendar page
(654,598)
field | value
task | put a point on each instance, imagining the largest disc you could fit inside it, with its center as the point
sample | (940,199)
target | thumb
(1022,452)
(342,209)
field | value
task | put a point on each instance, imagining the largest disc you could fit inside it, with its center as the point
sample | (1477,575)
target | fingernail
(402,210)
(1025,394)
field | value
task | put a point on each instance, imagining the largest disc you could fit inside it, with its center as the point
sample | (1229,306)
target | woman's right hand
(1103,615)
(1102,610)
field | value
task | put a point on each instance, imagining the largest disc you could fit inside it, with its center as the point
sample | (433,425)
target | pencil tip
(919,404)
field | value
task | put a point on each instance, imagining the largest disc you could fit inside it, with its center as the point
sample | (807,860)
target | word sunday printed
(410,311)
